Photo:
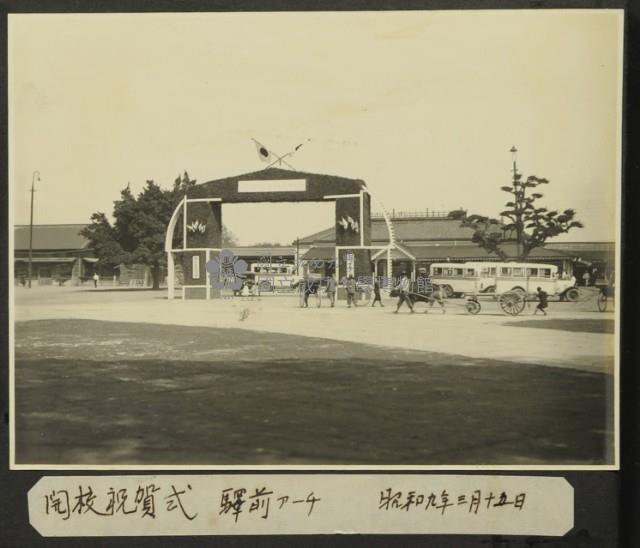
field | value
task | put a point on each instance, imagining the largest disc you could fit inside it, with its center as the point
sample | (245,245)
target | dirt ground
(95,392)
(565,340)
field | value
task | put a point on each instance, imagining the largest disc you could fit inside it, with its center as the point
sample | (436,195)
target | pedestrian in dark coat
(542,304)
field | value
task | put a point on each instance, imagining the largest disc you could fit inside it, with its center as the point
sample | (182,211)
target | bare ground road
(109,378)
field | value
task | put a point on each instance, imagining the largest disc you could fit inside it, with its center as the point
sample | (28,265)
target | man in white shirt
(404,286)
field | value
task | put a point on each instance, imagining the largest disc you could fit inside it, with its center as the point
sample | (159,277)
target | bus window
(470,272)
(437,271)
(545,272)
(532,272)
(492,271)
(256,269)
(505,271)
(448,271)
(458,271)
(283,269)
(518,271)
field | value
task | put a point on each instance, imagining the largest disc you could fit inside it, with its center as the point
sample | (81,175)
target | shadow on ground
(90,392)
(581,325)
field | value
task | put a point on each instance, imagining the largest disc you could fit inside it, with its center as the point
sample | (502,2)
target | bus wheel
(473,307)
(265,286)
(447,291)
(572,294)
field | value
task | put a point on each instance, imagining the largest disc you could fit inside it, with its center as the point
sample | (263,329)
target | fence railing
(430,213)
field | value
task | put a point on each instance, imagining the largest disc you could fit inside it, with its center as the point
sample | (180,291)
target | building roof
(587,252)
(38,260)
(323,253)
(441,253)
(406,230)
(50,237)
(475,252)
(583,246)
(258,252)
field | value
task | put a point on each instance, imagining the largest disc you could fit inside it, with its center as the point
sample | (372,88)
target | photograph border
(339,467)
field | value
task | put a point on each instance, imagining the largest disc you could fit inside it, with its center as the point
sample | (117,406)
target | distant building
(60,254)
(426,237)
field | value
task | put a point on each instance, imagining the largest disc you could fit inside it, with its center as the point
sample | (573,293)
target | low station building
(426,237)
(60,254)
(360,242)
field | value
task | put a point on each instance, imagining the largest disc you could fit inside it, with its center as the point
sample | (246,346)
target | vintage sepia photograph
(329,240)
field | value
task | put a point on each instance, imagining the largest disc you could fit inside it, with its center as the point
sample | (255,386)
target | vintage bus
(271,277)
(500,277)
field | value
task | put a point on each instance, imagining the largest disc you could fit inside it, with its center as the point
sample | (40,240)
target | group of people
(402,289)
(312,286)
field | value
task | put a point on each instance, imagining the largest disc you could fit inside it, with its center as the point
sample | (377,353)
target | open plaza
(128,377)
(176,321)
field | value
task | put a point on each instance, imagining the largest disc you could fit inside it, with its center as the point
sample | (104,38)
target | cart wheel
(572,294)
(602,302)
(512,303)
(473,307)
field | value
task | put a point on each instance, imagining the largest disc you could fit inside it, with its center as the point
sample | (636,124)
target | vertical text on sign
(195,266)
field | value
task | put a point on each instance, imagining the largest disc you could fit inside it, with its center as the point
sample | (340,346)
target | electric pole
(33,180)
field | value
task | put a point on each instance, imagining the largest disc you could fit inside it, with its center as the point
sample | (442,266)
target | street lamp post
(33,180)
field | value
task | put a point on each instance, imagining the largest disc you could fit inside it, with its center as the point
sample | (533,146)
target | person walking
(376,293)
(96,279)
(244,290)
(542,304)
(403,287)
(307,289)
(331,290)
(585,278)
(351,291)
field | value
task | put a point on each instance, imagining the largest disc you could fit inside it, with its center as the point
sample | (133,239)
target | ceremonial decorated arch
(194,233)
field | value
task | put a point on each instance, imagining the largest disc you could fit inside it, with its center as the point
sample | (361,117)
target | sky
(424,106)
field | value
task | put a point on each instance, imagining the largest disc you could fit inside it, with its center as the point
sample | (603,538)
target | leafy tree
(140,222)
(103,240)
(528,225)
(457,214)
